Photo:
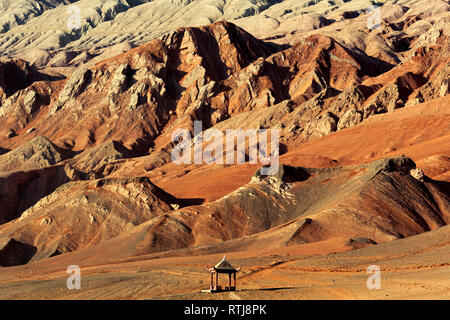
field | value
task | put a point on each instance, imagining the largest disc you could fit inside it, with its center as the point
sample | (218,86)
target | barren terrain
(87,118)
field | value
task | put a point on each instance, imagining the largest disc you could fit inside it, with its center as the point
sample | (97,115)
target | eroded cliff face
(85,148)
(212,74)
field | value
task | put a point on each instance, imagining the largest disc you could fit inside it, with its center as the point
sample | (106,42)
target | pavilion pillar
(211,286)
(234,276)
(217,280)
(229,281)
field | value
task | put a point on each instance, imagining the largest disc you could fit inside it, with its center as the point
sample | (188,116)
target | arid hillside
(87,125)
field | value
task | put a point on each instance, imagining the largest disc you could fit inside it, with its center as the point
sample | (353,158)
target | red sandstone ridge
(215,73)
(143,88)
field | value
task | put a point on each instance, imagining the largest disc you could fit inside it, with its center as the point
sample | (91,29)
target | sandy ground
(414,268)
(280,282)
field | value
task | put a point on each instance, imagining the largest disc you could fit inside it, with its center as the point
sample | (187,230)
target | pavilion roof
(224,265)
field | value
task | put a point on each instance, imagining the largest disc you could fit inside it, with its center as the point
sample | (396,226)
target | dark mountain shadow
(16,253)
(191,202)
(3,151)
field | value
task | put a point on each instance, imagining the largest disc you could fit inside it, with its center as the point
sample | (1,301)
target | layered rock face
(86,135)
(213,74)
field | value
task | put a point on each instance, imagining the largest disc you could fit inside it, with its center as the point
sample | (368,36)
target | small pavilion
(223,267)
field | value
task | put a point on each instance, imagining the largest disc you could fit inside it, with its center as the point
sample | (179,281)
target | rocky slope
(168,83)
(86,133)
(104,27)
(81,214)
(382,201)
